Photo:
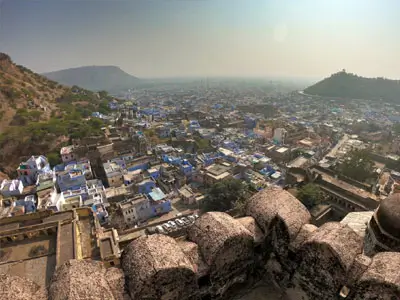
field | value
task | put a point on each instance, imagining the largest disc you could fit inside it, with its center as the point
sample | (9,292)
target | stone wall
(274,240)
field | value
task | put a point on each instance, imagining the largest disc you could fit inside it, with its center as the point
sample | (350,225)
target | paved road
(335,149)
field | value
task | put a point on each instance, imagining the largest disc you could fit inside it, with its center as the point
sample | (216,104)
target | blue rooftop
(157,194)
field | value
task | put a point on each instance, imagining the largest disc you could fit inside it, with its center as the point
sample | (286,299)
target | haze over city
(205,38)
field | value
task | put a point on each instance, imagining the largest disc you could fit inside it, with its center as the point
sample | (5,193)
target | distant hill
(95,78)
(350,86)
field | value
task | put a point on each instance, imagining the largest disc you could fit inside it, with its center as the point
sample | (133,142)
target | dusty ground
(85,237)
(37,269)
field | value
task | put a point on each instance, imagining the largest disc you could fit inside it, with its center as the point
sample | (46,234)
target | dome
(388,215)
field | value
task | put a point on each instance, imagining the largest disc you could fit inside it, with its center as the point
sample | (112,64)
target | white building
(136,209)
(67,154)
(279,135)
(29,170)
(9,188)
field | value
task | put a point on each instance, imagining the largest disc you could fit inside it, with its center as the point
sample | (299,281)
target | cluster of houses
(123,173)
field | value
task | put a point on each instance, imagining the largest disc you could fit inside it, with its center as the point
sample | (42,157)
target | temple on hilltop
(273,243)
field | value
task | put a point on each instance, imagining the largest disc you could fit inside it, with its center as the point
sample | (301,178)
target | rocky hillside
(350,86)
(95,78)
(22,89)
(38,116)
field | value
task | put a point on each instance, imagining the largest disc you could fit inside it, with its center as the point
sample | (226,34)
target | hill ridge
(105,77)
(351,86)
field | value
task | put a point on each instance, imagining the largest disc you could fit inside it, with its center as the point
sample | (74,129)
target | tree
(103,94)
(357,165)
(225,195)
(309,195)
(396,128)
(202,143)
(96,124)
(54,158)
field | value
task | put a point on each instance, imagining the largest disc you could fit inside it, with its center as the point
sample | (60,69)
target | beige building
(114,174)
(216,173)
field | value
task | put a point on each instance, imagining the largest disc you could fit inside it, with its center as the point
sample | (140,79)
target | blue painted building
(120,162)
(30,204)
(186,168)
(71,180)
(154,173)
(96,114)
(113,105)
(250,123)
(146,186)
(159,203)
(194,125)
(173,160)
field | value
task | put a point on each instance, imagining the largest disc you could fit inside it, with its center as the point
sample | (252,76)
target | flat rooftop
(217,169)
(298,162)
(358,221)
(220,176)
(347,186)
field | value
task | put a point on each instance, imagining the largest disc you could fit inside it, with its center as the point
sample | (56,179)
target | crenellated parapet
(325,260)
(156,268)
(87,279)
(226,246)
(381,280)
(274,240)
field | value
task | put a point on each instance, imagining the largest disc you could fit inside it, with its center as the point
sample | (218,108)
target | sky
(177,38)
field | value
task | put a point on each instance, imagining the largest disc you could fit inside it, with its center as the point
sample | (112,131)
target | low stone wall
(274,240)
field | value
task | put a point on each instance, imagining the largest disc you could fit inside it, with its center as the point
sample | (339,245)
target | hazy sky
(310,38)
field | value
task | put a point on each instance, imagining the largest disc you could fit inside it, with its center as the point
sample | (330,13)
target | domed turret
(383,231)
(388,215)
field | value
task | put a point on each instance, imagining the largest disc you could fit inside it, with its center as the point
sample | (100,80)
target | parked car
(167,227)
(186,220)
(179,222)
(160,229)
(191,219)
(150,230)
(196,216)
(179,214)
(172,224)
